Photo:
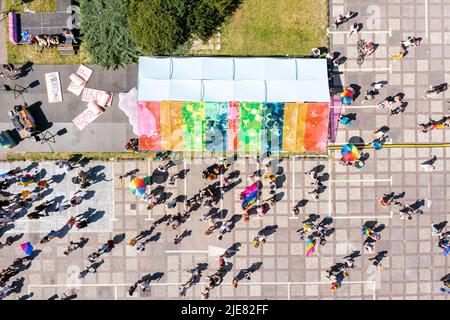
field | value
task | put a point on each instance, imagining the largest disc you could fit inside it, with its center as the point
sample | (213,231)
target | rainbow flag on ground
(310,246)
(232,126)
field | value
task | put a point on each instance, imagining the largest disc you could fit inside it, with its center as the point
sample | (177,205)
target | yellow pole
(417,145)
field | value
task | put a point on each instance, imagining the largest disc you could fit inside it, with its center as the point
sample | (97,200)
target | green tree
(159,26)
(106,34)
(206,16)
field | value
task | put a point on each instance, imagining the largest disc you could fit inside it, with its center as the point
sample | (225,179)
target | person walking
(52,234)
(376,262)
(93,257)
(108,246)
(7,243)
(234,282)
(145,285)
(353,28)
(223,229)
(338,21)
(71,247)
(140,246)
(205,293)
(132,289)
(177,240)
(429,165)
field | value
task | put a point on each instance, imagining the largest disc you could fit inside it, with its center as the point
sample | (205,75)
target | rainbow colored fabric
(249,196)
(233,126)
(310,247)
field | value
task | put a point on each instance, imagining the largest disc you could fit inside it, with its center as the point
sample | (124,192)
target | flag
(27,248)
(310,247)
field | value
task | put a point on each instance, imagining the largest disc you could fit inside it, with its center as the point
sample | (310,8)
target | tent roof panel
(233,79)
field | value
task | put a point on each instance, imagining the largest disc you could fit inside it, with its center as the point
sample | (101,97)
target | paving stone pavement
(414,263)
(412,269)
(387,23)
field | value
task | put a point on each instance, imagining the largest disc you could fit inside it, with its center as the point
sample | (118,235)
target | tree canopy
(158,26)
(116,32)
(161,26)
(106,33)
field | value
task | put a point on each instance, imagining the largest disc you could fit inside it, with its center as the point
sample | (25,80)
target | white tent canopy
(233,79)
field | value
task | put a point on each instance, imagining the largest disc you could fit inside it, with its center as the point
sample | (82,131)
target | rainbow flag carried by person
(310,246)
(249,191)
(366,232)
(248,202)
(446,250)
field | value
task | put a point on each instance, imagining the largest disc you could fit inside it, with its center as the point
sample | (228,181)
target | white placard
(53,87)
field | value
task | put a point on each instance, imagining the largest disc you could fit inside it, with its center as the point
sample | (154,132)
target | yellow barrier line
(419,145)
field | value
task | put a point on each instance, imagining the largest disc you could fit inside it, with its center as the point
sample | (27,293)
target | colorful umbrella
(349,152)
(26,179)
(359,164)
(350,157)
(349,147)
(27,248)
(138,186)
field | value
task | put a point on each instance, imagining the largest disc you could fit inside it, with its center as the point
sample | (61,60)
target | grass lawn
(275,27)
(35,5)
(21,54)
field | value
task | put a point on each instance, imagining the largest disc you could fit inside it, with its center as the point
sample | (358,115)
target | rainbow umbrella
(27,248)
(347,93)
(310,247)
(349,152)
(349,147)
(350,157)
(26,179)
(359,164)
(138,186)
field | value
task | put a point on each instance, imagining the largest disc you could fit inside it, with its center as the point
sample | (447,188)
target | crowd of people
(24,193)
(396,105)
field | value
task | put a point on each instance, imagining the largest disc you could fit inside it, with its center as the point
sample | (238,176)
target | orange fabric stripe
(316,127)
